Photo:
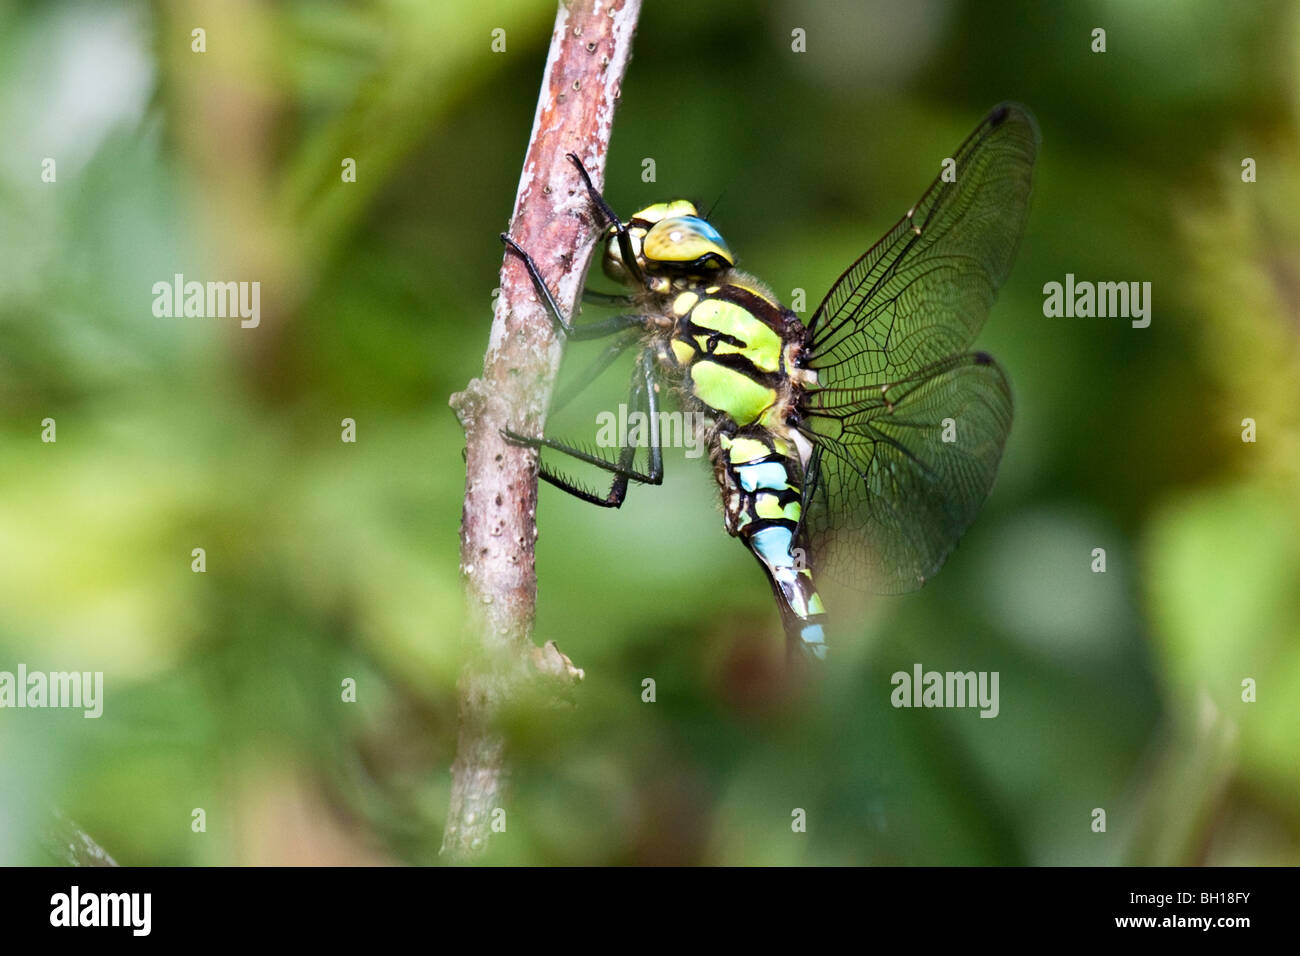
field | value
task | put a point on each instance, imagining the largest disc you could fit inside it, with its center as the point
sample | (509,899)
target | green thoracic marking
(762,345)
(729,391)
(767,506)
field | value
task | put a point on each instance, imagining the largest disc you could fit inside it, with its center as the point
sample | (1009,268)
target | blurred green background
(328,560)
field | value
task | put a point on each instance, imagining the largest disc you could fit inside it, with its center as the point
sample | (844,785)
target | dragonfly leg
(552,307)
(620,228)
(576,332)
(593,297)
(603,361)
(606,327)
(642,392)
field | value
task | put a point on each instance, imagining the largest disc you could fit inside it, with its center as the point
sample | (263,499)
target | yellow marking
(747,449)
(815,605)
(773,417)
(683,352)
(793,510)
(666,210)
(685,302)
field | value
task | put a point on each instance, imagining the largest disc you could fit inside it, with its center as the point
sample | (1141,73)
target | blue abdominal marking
(767,474)
(815,638)
(773,546)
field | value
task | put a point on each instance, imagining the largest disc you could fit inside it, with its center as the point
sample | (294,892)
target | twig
(552,219)
(71,845)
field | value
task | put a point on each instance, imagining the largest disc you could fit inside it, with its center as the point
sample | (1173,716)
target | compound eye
(684,240)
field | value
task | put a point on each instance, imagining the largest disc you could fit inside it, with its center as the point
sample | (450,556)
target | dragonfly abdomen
(734,346)
(762,498)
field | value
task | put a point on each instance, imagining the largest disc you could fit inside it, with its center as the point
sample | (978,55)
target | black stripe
(736,361)
(783,498)
(759,524)
(714,337)
(770,315)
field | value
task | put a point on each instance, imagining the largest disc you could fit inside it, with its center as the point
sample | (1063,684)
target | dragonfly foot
(514,438)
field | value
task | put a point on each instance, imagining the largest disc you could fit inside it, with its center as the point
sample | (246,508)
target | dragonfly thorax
(669,241)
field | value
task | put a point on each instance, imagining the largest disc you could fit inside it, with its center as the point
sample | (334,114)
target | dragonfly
(859,446)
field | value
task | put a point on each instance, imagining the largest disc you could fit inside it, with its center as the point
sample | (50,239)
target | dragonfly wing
(899,473)
(886,496)
(921,293)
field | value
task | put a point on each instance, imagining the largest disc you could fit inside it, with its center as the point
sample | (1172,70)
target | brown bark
(553,220)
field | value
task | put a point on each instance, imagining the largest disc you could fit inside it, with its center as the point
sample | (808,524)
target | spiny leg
(643,388)
(589,375)
(548,300)
(595,330)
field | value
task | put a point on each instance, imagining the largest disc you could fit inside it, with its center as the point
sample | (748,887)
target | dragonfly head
(669,240)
